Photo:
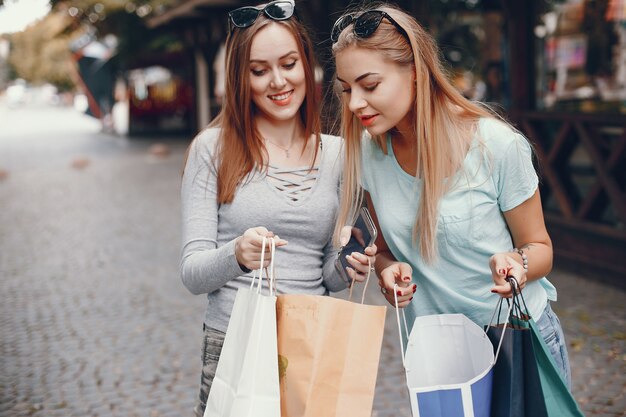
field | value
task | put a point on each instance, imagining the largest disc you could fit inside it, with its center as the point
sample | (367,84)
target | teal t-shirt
(498,175)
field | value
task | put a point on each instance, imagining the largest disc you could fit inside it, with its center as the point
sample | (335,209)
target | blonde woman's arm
(533,246)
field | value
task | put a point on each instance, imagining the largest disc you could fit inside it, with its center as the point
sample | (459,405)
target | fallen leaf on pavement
(80,163)
(577,344)
(160,150)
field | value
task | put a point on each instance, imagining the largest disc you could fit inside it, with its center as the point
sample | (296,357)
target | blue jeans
(211,350)
(550,328)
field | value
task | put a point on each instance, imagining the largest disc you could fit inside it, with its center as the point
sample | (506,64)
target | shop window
(582,56)
(471,36)
(159,99)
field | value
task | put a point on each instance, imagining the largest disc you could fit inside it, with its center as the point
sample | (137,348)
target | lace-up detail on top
(294,183)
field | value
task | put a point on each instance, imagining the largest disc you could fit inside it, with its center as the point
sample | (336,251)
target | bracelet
(524,258)
(244,268)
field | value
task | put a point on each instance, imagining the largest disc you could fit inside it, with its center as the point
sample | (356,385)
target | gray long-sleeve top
(304,266)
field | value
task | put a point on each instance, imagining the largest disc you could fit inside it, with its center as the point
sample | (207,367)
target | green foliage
(125,20)
(41,52)
(111,16)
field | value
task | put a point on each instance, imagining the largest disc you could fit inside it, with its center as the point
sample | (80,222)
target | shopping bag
(526,378)
(449,366)
(511,396)
(329,350)
(246,378)
(558,398)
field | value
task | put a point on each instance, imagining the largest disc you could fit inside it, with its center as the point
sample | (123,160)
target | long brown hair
(240,146)
(443,120)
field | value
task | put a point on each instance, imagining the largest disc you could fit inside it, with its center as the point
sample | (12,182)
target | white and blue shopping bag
(449,366)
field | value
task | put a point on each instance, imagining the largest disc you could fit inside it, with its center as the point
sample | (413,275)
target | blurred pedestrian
(452,186)
(261,169)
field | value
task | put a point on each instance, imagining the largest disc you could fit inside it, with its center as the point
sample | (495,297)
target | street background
(94,320)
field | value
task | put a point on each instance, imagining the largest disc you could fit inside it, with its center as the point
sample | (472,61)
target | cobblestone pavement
(94,320)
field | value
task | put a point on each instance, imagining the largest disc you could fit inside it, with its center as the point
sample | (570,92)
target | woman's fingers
(503,290)
(517,271)
(344,235)
(354,275)
(360,266)
(278,242)
(509,268)
(358,261)
(250,247)
(358,273)
(371,250)
(404,294)
(400,274)
(405,274)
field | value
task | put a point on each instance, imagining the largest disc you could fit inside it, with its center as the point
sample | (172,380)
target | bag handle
(406,328)
(367,279)
(270,275)
(514,288)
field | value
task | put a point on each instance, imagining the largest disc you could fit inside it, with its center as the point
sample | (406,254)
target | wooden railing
(582,162)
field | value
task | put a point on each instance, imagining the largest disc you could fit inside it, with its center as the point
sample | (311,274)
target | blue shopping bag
(449,366)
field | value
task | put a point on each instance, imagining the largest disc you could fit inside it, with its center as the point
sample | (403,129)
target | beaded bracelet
(524,258)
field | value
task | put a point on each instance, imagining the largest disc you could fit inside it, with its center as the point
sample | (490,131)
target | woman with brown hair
(261,169)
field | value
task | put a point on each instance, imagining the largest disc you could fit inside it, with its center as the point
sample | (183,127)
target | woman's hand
(248,247)
(503,265)
(362,264)
(397,273)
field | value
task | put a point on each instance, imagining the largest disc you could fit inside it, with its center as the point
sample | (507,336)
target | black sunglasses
(364,25)
(244,17)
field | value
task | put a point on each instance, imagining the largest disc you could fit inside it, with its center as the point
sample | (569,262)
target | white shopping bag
(246,380)
(449,366)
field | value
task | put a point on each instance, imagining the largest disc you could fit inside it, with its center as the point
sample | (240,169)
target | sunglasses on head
(365,24)
(244,17)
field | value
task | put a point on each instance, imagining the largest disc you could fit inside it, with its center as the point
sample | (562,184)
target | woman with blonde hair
(261,169)
(452,187)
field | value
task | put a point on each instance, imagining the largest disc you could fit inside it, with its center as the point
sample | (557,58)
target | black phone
(363,235)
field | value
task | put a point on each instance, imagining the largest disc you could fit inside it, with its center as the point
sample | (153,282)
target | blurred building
(4,62)
(556,69)
(158,95)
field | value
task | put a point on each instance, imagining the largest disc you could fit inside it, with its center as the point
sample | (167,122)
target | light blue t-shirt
(498,175)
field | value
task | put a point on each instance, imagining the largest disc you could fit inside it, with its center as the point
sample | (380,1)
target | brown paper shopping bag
(328,354)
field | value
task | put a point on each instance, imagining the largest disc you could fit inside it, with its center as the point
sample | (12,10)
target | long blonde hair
(443,123)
